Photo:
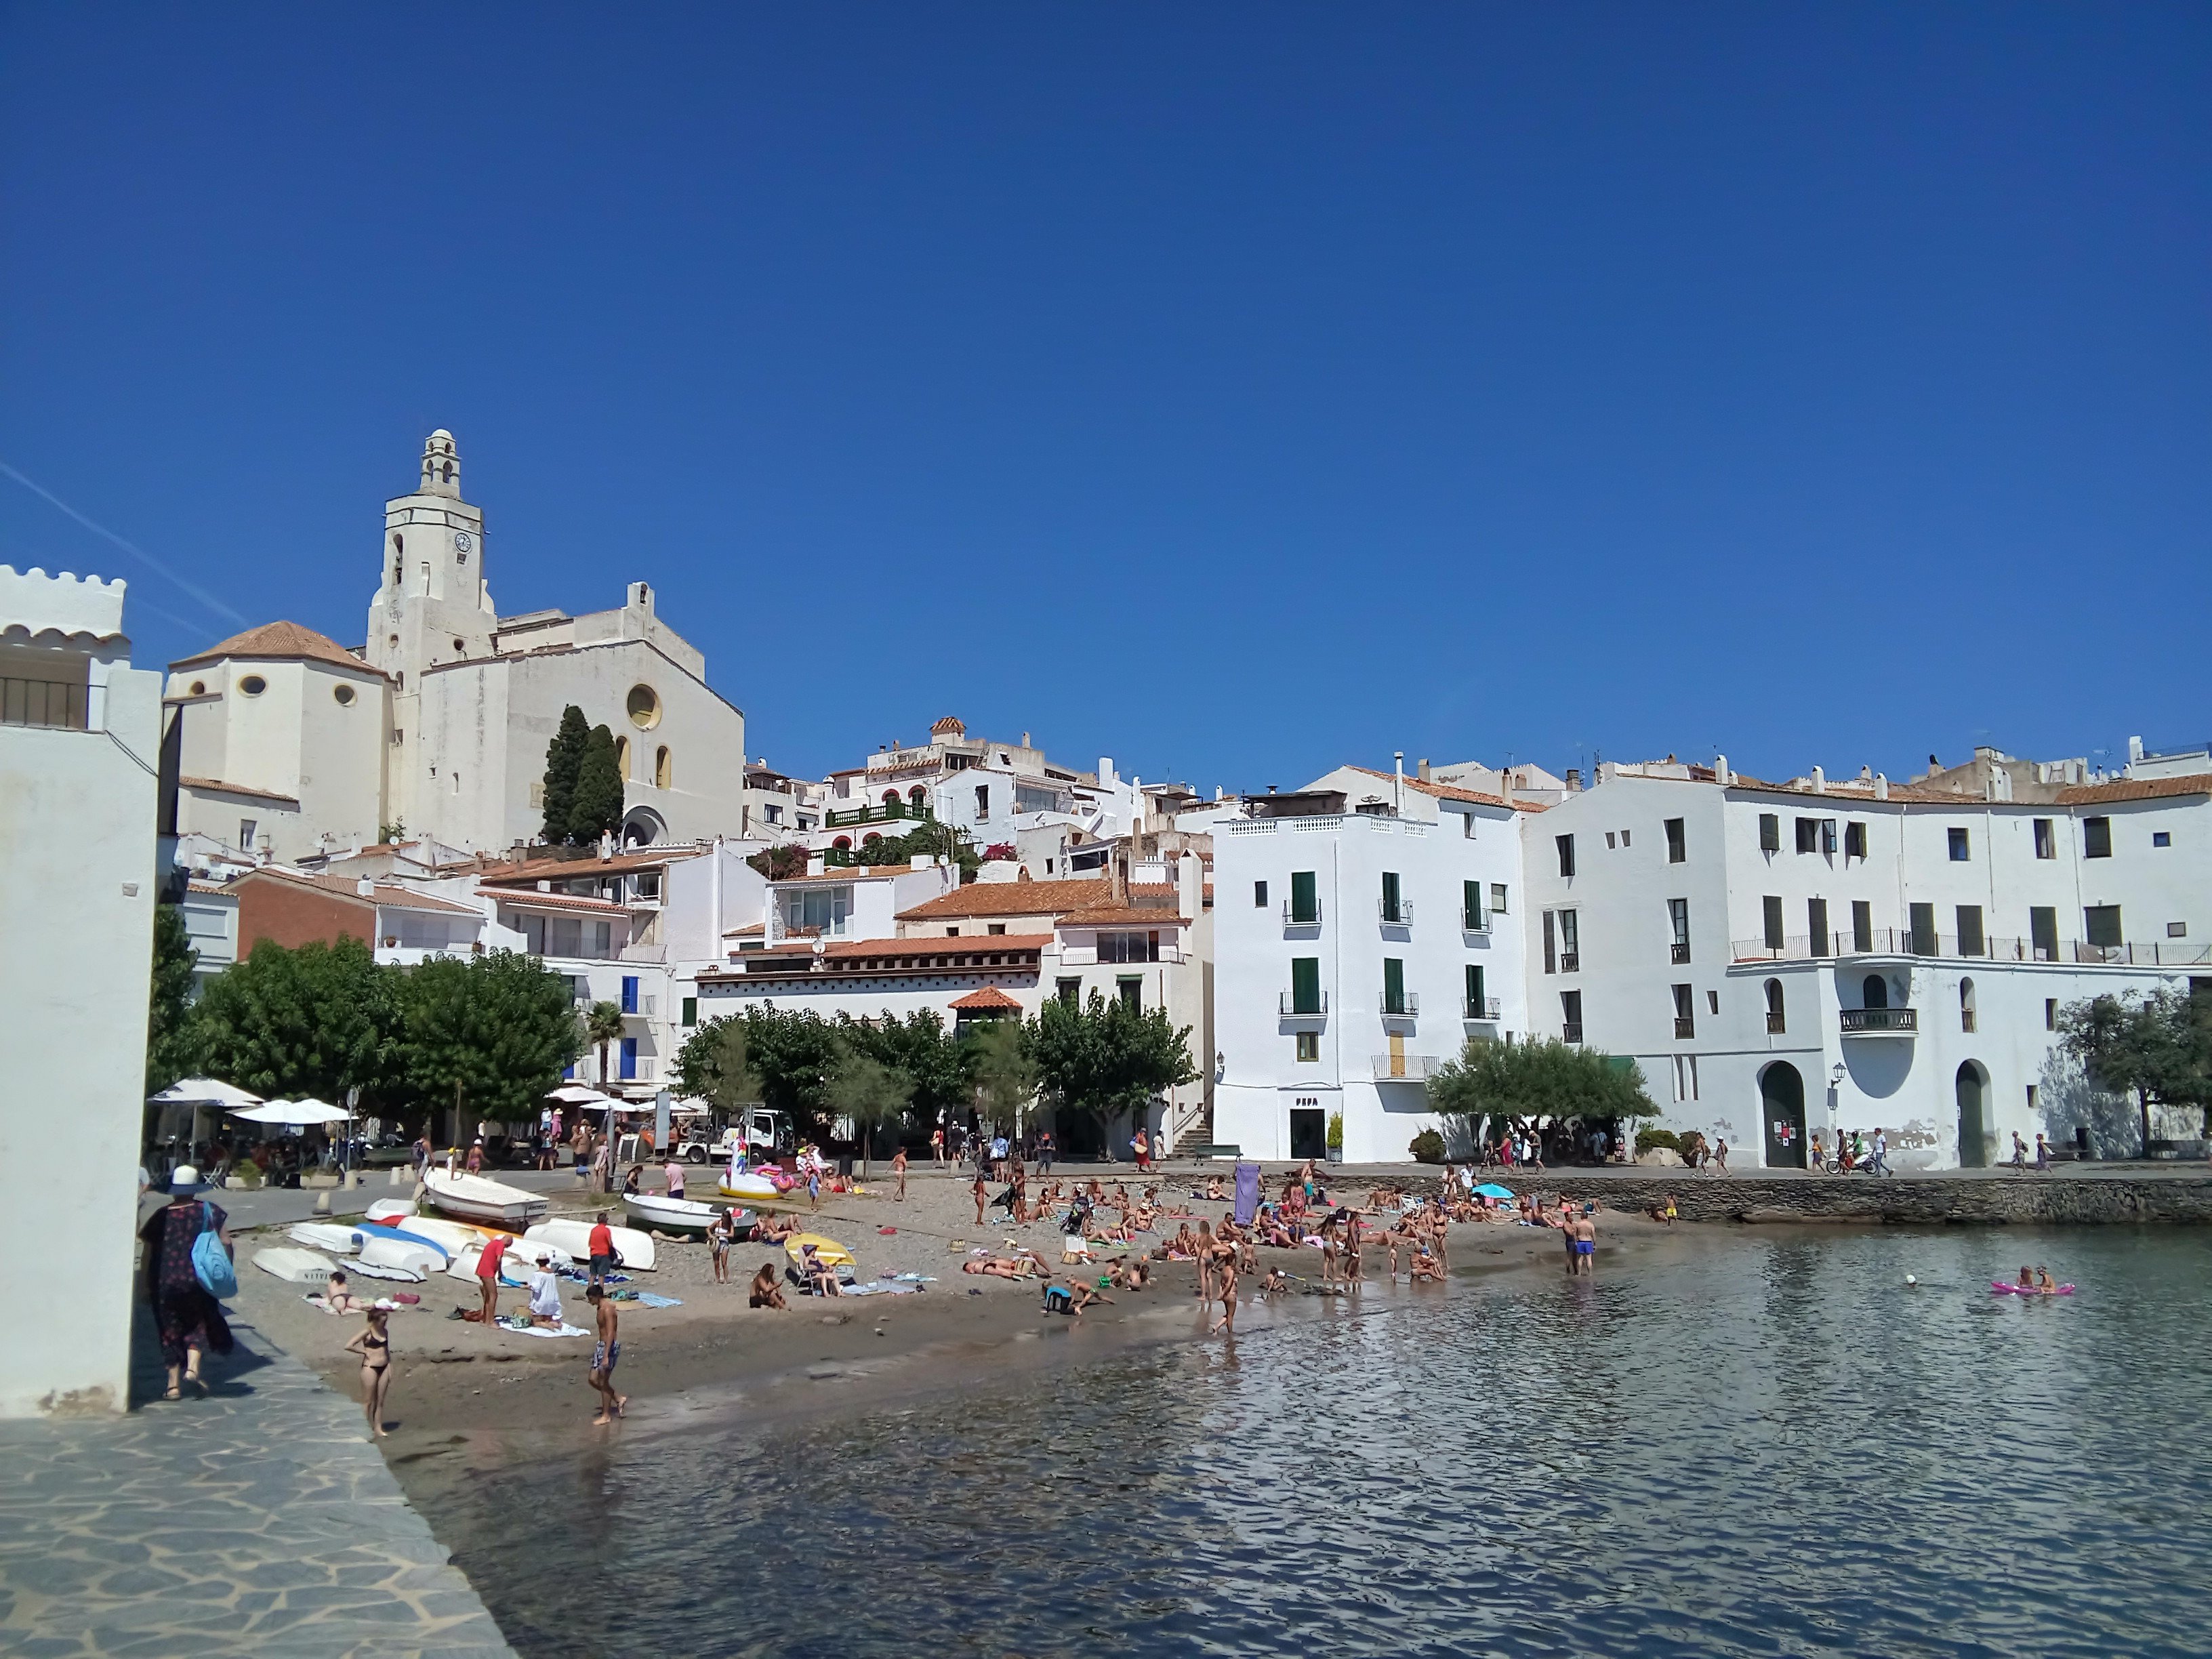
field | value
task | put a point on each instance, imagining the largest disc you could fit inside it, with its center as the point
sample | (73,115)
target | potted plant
(1336,1137)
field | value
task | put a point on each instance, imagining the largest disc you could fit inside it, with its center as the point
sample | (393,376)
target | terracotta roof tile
(2124,789)
(530,898)
(990,997)
(534,870)
(218,786)
(281,639)
(1012,898)
(382,894)
(1448,790)
(1123,915)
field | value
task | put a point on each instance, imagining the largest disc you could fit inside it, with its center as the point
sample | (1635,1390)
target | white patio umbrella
(296,1112)
(576,1094)
(199,1093)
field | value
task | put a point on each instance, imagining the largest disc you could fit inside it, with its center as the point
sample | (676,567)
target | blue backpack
(210,1262)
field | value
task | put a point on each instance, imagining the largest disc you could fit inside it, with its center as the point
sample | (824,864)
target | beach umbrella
(296,1112)
(1491,1189)
(199,1093)
(577,1094)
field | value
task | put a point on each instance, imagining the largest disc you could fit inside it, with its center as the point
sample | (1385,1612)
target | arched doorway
(1973,1128)
(1782,1108)
(1875,993)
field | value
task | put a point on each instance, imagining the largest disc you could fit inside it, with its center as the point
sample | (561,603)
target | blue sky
(1234,391)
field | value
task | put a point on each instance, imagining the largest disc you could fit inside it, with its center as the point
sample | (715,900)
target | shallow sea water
(1772,1448)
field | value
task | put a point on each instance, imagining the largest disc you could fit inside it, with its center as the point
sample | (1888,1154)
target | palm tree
(602,1024)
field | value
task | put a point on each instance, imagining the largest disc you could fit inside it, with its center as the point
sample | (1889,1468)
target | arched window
(398,544)
(890,797)
(843,843)
(870,839)
(1966,1004)
(449,472)
(917,794)
(663,770)
(622,757)
(1875,993)
(1775,1022)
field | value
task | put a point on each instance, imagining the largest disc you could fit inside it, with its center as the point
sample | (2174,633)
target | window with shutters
(1497,898)
(1816,926)
(691,1011)
(2046,844)
(2043,932)
(1770,832)
(1808,834)
(1305,897)
(2096,838)
(1677,847)
(1971,942)
(1570,947)
(1305,985)
(1259,895)
(1470,907)
(1566,848)
(1923,918)
(1551,942)
(1393,985)
(2100,926)
(1854,840)
(1862,925)
(1771,906)
(1478,1006)
(1394,905)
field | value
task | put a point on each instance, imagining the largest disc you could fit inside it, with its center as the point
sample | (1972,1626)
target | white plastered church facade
(284,743)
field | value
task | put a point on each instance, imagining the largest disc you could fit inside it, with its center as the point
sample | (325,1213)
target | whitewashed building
(1837,954)
(1366,927)
(286,743)
(80,737)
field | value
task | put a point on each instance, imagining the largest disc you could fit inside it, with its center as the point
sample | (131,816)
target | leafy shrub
(1647,1139)
(1336,1129)
(1428,1147)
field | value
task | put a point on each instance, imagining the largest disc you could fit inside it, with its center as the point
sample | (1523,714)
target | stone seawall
(1903,1200)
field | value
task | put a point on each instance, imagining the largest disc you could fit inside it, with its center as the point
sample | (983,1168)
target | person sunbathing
(767,1292)
(821,1278)
(999,1266)
(1213,1194)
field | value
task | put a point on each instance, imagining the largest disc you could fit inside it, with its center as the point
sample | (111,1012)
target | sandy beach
(456,1376)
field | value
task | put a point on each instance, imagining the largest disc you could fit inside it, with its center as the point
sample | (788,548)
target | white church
(285,743)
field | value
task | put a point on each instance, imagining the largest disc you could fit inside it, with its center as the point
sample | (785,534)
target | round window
(459,646)
(199,688)
(644,708)
(344,694)
(254,685)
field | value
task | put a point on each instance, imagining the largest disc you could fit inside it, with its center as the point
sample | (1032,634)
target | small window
(952,933)
(1309,1047)
(1566,846)
(982,801)
(2102,924)
(2177,930)
(1070,992)
(2046,844)
(1966,1015)
(1808,834)
(2051,1013)
(995,927)
(1957,839)
(199,688)
(1777,1023)
(1608,838)
(691,1011)
(2096,838)
(344,694)
(1624,838)
(461,646)
(1466,826)
(1770,833)
(254,685)
(1259,892)
(246,828)
(1677,847)
(2160,838)
(643,706)
(663,769)
(1771,906)
(1713,1002)
(1497,898)
(1854,840)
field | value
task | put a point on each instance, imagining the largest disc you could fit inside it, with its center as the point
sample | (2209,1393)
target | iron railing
(1880,1022)
(1473,921)
(1407,1005)
(1488,1008)
(1395,913)
(1404,1068)
(1685,1026)
(1294,917)
(1681,952)
(59,705)
(1904,942)
(1572,1031)
(1287,1004)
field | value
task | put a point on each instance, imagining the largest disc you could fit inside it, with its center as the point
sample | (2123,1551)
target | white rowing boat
(486,1202)
(634,1248)
(671,1215)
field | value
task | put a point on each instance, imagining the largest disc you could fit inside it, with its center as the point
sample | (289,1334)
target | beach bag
(211,1262)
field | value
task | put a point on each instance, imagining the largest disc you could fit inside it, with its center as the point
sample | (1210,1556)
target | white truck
(761,1132)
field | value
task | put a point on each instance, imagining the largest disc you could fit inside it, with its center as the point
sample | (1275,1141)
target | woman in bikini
(374,1344)
(766,1291)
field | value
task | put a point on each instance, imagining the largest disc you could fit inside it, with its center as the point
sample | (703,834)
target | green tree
(318,1020)
(1006,1077)
(873,1095)
(1535,1079)
(2157,1047)
(564,760)
(715,1063)
(169,1030)
(602,1024)
(1106,1058)
(490,1033)
(939,1064)
(793,1051)
(598,807)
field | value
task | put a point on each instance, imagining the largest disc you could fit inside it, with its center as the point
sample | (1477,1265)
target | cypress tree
(564,758)
(598,801)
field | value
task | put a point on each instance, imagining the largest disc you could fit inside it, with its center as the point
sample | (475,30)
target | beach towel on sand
(1247,1193)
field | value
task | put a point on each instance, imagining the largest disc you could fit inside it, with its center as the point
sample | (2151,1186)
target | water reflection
(1777,1448)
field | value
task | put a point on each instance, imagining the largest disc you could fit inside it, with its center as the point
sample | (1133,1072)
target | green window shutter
(1305,985)
(1390,911)
(1773,906)
(691,1011)
(1470,900)
(1305,899)
(1477,1007)
(1393,985)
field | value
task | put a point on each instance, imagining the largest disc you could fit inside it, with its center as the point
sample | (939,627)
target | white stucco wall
(76,895)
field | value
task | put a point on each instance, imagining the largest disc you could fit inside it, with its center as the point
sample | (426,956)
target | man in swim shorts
(606,1354)
(1585,1237)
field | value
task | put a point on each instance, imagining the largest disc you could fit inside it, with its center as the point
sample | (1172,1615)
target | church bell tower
(432,605)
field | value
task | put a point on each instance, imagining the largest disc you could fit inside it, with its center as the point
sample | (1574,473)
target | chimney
(365,887)
(1421,769)
(1025,739)
(816,863)
(1118,862)
(1190,887)
(1574,780)
(1397,783)
(1880,786)
(1820,782)
(606,846)
(1722,775)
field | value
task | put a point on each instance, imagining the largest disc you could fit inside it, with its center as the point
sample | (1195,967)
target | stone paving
(259,1521)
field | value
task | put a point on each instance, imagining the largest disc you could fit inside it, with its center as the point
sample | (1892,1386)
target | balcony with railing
(1405,1068)
(1880,1022)
(1395,913)
(1407,1005)
(1473,921)
(1572,1031)
(644,1006)
(887,811)
(1291,1006)
(1297,915)
(1906,942)
(1679,953)
(1774,1025)
(1486,1009)
(56,705)
(1685,1026)
(1570,960)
